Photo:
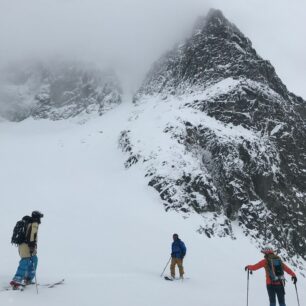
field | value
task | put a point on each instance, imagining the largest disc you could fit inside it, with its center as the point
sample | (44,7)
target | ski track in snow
(104,230)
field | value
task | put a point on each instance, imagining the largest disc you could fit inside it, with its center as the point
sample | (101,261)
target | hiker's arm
(183,248)
(288,270)
(257,266)
(33,233)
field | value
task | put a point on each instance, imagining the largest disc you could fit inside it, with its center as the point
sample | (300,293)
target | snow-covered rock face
(216,50)
(220,135)
(55,91)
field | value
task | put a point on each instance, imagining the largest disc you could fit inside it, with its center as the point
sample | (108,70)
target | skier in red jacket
(274,275)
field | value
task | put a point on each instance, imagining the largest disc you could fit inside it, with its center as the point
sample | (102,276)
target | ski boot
(28,281)
(16,285)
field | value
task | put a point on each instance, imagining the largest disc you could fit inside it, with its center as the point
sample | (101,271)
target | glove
(32,250)
(247,269)
(294,279)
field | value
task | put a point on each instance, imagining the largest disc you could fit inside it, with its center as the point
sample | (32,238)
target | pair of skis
(46,285)
(168,278)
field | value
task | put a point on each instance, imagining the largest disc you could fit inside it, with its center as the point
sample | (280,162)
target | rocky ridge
(235,138)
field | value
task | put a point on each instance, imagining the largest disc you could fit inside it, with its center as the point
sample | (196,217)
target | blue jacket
(178,249)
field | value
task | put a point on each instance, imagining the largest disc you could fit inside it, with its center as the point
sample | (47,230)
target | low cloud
(131,34)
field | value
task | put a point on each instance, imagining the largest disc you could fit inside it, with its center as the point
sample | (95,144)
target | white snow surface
(105,231)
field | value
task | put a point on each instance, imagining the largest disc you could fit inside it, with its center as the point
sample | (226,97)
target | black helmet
(37,214)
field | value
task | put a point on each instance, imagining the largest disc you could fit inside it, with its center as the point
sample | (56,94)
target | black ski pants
(276,290)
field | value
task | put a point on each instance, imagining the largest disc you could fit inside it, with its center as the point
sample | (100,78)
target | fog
(131,34)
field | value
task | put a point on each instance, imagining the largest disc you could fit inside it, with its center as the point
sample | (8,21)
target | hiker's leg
(21,270)
(32,268)
(172,266)
(272,295)
(180,266)
(280,292)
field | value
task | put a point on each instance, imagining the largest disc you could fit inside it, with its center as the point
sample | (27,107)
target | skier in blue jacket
(177,255)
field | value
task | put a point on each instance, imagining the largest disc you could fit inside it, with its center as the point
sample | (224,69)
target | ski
(168,278)
(52,285)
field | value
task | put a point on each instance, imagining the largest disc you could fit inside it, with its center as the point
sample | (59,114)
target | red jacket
(264,264)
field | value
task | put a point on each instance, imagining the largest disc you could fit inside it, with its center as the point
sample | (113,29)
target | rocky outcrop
(235,138)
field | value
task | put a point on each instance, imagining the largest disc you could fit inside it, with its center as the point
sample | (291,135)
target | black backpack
(275,267)
(20,231)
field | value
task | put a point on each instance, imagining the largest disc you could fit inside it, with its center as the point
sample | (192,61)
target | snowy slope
(105,231)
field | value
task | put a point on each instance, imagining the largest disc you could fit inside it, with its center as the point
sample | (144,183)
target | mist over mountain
(56,90)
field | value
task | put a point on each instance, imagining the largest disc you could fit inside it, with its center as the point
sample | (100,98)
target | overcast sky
(131,34)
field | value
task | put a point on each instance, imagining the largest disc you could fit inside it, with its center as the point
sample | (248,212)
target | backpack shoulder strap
(28,232)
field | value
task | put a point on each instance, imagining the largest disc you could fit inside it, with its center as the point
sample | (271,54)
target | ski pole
(165,267)
(248,281)
(36,283)
(297,295)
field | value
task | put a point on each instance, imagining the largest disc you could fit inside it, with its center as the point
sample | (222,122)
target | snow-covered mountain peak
(216,50)
(231,139)
(214,19)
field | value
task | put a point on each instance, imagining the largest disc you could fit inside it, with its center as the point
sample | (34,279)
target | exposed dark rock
(256,174)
